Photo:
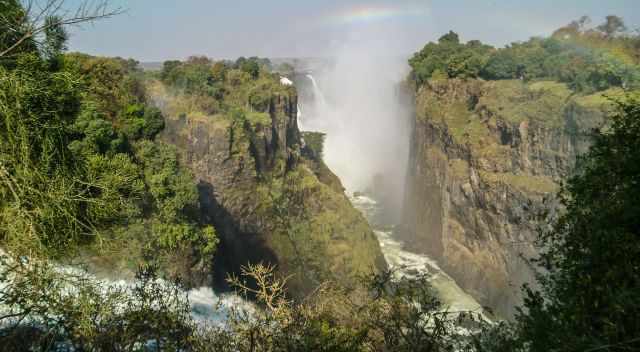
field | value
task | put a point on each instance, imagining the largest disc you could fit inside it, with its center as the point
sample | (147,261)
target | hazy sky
(155,30)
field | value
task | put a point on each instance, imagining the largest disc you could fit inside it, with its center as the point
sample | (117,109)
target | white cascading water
(410,264)
(319,106)
(207,306)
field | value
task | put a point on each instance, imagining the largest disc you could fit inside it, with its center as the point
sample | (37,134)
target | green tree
(590,280)
(449,38)
(42,194)
(503,64)
(55,37)
(612,26)
(169,71)
(250,66)
(12,29)
(449,57)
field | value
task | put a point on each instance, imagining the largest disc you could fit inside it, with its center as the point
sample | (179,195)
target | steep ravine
(400,259)
(485,156)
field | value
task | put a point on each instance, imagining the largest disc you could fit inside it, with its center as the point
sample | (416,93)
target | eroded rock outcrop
(269,200)
(485,157)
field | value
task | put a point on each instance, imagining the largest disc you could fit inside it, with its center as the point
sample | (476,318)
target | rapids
(409,264)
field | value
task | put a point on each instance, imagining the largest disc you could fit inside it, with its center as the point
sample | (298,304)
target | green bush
(142,122)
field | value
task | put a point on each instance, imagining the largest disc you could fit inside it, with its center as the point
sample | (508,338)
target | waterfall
(317,93)
(312,119)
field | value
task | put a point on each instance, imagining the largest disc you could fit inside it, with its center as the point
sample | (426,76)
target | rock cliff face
(270,199)
(485,156)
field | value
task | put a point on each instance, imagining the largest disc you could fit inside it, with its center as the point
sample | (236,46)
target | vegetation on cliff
(559,96)
(268,176)
(224,89)
(589,257)
(586,59)
(80,170)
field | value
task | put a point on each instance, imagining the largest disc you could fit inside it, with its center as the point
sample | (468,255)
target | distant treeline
(587,59)
(243,86)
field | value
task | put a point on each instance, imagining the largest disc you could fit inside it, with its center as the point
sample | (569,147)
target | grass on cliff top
(259,118)
(600,100)
(515,101)
(469,128)
(529,184)
(450,104)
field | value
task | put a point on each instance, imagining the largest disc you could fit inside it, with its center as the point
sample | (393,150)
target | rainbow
(373,13)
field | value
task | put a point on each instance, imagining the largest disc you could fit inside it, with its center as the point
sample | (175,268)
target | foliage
(250,66)
(218,88)
(612,26)
(390,314)
(42,191)
(51,309)
(12,29)
(117,186)
(55,37)
(449,58)
(110,84)
(591,255)
(588,60)
(47,308)
(174,198)
(79,163)
(141,122)
(314,142)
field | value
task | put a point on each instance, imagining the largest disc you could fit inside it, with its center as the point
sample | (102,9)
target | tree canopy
(586,59)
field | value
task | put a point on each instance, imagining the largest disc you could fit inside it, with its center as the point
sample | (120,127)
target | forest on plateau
(87,181)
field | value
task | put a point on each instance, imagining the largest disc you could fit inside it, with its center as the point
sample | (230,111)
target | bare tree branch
(34,23)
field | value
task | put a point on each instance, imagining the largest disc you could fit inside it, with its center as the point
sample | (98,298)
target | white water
(285,81)
(207,306)
(319,107)
(410,264)
(210,307)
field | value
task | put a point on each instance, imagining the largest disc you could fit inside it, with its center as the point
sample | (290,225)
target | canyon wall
(270,197)
(485,158)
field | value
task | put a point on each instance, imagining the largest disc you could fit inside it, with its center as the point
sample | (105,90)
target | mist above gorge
(359,99)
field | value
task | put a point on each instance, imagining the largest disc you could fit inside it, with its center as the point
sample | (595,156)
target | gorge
(466,197)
